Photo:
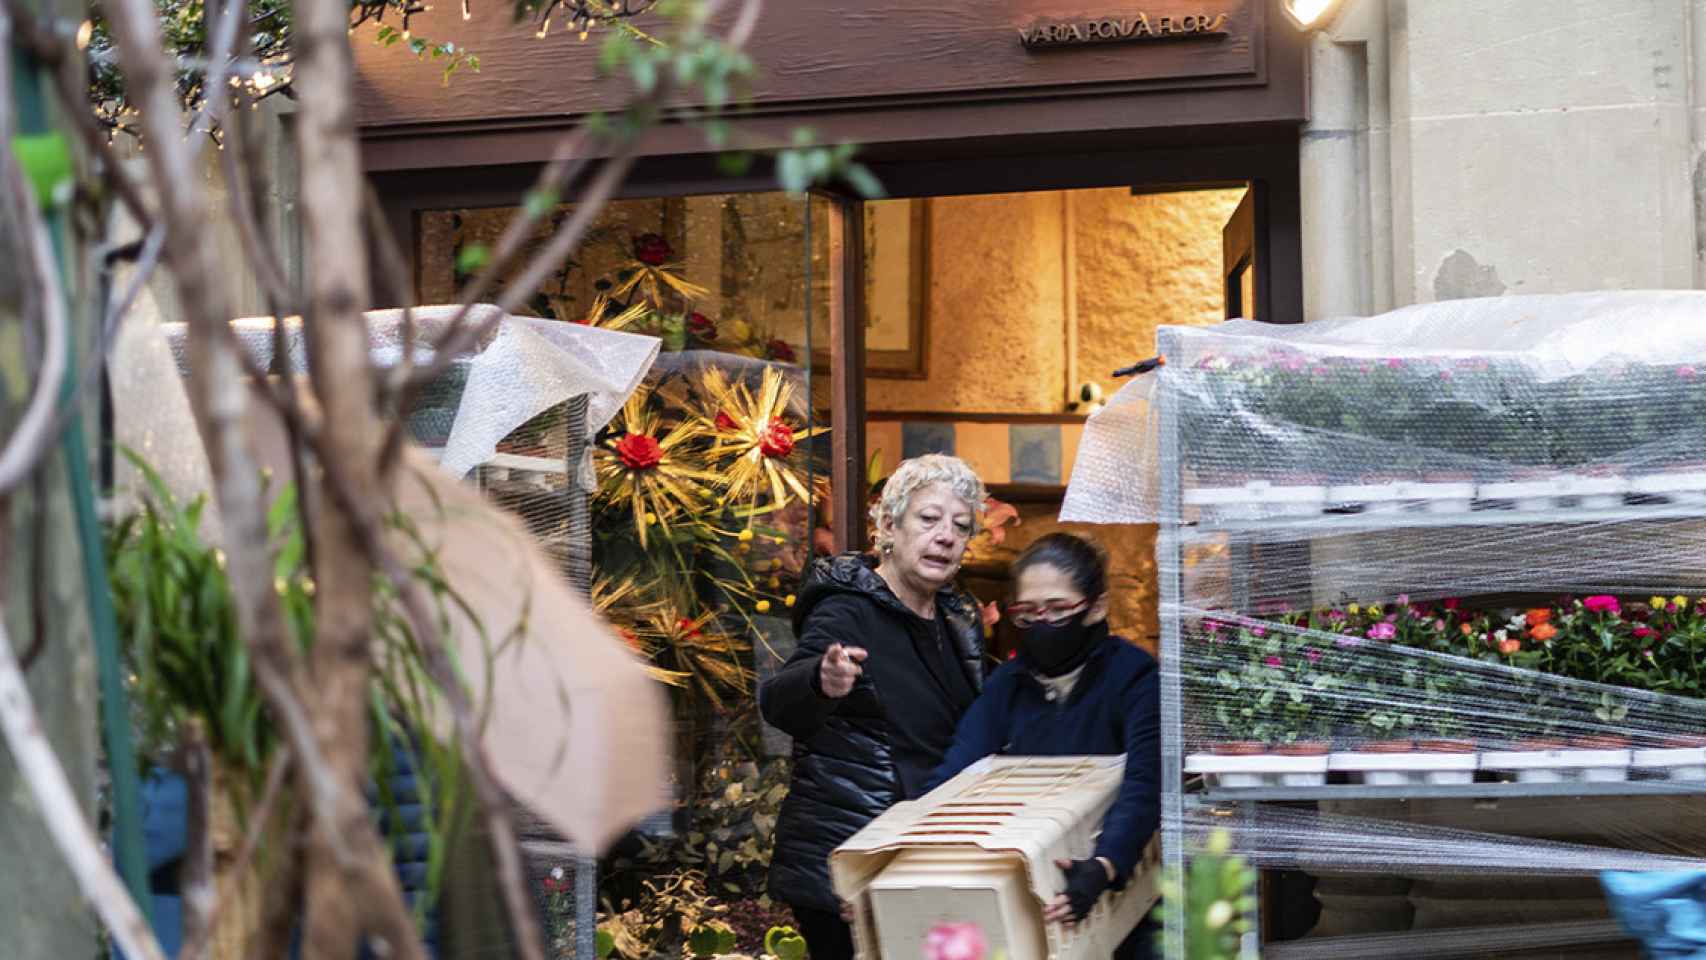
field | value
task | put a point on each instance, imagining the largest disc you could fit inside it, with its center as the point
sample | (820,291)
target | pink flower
(1685,372)
(1403,599)
(955,941)
(1274,661)
(1382,631)
(1439,625)
(1336,614)
(1312,655)
(1601,603)
(1259,631)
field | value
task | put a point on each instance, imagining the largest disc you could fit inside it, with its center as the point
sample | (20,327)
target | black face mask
(1057,649)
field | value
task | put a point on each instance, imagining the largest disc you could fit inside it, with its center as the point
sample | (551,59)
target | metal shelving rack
(1177,532)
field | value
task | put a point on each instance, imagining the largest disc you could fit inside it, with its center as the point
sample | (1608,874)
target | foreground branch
(60,811)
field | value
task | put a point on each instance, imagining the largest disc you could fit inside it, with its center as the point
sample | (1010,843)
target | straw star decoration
(755,443)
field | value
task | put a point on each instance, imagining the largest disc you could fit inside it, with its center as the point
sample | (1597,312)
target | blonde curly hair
(920,472)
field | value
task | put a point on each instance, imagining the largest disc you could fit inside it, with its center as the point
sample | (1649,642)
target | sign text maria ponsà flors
(1139,26)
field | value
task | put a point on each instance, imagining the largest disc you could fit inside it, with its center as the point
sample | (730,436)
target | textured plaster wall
(1141,262)
(998,327)
(996,299)
(998,309)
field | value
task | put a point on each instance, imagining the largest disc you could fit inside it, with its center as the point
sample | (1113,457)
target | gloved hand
(1086,880)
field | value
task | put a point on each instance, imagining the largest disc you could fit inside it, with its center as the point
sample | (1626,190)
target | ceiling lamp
(1311,14)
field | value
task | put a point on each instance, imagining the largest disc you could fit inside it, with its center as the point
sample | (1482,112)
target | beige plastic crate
(981,848)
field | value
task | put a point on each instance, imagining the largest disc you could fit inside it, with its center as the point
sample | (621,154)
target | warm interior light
(1310,14)
(85,33)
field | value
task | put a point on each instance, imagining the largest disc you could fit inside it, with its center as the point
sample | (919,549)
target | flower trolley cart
(1399,559)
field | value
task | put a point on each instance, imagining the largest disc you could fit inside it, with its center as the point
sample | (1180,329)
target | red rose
(701,326)
(1642,633)
(780,351)
(639,451)
(776,439)
(726,422)
(652,249)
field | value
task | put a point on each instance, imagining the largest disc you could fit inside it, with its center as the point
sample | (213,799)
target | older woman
(890,657)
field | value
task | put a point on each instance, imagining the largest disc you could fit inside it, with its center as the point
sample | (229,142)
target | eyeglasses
(1054,611)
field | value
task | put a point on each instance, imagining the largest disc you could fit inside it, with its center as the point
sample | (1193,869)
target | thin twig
(194,945)
(196,878)
(61,812)
(34,432)
(70,83)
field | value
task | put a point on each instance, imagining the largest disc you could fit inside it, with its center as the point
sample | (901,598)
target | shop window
(711,481)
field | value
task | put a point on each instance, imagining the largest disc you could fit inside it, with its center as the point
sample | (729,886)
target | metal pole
(579,570)
(1170,568)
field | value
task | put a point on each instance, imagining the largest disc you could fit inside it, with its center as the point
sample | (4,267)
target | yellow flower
(763,606)
(1679,600)
(1353,609)
(746,535)
(744,548)
(1373,610)
(1657,603)
(737,330)
(651,517)
(775,582)
(788,601)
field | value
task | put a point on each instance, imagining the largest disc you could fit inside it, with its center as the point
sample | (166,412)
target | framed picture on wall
(897,291)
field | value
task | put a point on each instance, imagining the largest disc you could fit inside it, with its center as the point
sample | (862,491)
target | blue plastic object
(1664,910)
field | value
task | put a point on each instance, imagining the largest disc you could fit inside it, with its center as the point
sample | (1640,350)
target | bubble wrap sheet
(1512,389)
(526,366)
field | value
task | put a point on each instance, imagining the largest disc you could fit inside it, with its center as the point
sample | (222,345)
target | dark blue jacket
(1115,708)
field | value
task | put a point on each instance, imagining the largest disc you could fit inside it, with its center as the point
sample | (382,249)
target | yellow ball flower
(763,606)
(788,601)
(1657,603)
(1679,600)
(746,535)
(775,582)
(1353,609)
(1373,610)
(651,517)
(744,548)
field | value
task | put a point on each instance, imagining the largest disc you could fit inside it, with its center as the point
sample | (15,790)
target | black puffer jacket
(857,755)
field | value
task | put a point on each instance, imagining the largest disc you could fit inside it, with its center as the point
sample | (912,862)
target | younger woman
(1074,689)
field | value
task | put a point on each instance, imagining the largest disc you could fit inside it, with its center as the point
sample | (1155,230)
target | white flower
(1501,635)
(556,873)
(1219,914)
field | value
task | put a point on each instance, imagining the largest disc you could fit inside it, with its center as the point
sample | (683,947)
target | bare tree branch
(195,763)
(346,840)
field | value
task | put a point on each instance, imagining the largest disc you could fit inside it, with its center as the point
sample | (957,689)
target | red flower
(776,439)
(779,350)
(685,625)
(701,326)
(1602,604)
(550,884)
(726,422)
(652,249)
(639,451)
(1450,603)
(1642,633)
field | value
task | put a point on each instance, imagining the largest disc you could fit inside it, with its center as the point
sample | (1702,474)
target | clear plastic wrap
(1453,553)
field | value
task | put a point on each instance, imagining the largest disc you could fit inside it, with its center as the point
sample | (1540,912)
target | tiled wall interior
(1031,453)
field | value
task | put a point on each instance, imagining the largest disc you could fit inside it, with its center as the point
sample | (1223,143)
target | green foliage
(1216,903)
(785,943)
(177,622)
(188,661)
(46,161)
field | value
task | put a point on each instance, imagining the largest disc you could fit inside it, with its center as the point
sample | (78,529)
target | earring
(888,549)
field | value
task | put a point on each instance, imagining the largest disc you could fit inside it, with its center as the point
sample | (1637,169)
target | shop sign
(1081,31)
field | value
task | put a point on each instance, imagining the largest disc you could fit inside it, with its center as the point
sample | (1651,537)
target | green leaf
(791,171)
(644,72)
(46,161)
(472,257)
(540,202)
